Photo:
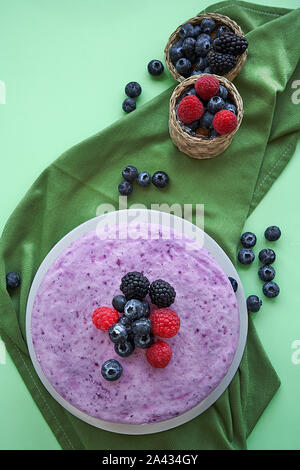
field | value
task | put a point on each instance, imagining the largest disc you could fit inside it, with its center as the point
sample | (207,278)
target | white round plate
(225,263)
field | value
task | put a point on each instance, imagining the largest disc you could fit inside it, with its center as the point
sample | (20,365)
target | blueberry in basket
(216,43)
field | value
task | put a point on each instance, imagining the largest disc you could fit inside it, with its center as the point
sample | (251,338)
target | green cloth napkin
(231,185)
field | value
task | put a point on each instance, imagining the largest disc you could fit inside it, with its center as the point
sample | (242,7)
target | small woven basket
(199,146)
(220,20)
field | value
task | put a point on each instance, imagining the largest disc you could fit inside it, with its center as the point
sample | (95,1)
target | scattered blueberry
(134,309)
(266,273)
(253,303)
(186,31)
(215,104)
(155,67)
(230,107)
(223,92)
(208,25)
(267,256)
(184,67)
(206,120)
(143,341)
(246,256)
(272,233)
(271,289)
(128,105)
(133,89)
(13,280)
(203,44)
(117,332)
(248,239)
(125,188)
(144,179)
(125,348)
(160,179)
(119,302)
(125,321)
(130,173)
(142,326)
(111,370)
(233,283)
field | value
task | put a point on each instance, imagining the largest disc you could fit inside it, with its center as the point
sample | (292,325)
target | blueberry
(272,233)
(186,31)
(192,126)
(111,370)
(188,47)
(125,321)
(119,302)
(130,173)
(215,104)
(191,91)
(230,107)
(125,348)
(267,256)
(175,53)
(125,188)
(206,120)
(266,273)
(246,256)
(143,341)
(146,306)
(134,309)
(13,280)
(202,45)
(233,283)
(197,30)
(208,25)
(160,179)
(213,134)
(117,332)
(144,179)
(142,326)
(195,72)
(128,105)
(253,303)
(223,92)
(201,64)
(155,67)
(184,67)
(248,239)
(223,29)
(207,70)
(133,89)
(271,289)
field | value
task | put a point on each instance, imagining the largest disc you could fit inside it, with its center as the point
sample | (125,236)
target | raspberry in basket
(190,109)
(224,122)
(207,86)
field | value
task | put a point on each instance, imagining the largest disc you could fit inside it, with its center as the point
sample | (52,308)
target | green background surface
(65,64)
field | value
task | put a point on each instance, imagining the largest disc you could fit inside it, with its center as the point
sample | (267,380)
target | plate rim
(139,429)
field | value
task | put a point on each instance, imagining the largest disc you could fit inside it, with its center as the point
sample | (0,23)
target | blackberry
(134,285)
(220,64)
(162,293)
(229,43)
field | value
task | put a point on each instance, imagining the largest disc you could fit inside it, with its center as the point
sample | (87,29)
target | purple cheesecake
(70,349)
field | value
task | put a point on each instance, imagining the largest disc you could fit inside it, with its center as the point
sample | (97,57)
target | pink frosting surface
(71,350)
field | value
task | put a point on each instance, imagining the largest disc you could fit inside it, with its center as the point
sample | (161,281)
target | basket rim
(221,18)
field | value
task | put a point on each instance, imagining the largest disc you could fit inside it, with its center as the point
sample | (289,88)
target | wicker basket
(200,146)
(220,20)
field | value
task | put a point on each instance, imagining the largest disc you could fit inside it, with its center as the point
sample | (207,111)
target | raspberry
(104,317)
(207,86)
(165,322)
(159,354)
(190,109)
(224,122)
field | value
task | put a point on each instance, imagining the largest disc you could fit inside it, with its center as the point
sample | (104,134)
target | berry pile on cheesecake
(206,109)
(206,48)
(135,328)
